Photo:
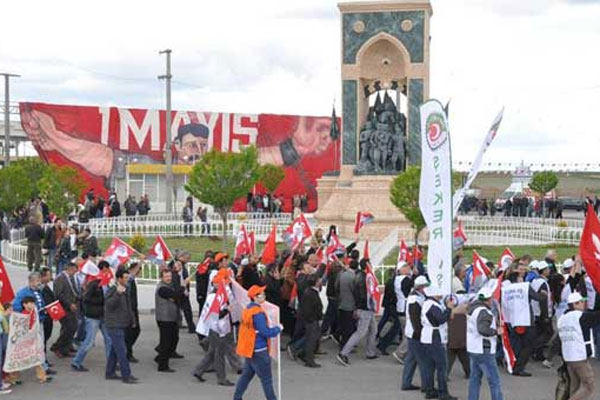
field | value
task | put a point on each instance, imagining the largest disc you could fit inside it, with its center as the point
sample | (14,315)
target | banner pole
(279,367)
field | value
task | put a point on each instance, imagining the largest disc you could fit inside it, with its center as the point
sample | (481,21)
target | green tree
(15,188)
(270,176)
(219,179)
(542,182)
(35,169)
(404,194)
(60,188)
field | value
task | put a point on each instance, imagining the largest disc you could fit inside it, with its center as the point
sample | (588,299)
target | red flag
(506,259)
(403,252)
(417,254)
(269,253)
(479,267)
(252,241)
(203,268)
(242,243)
(297,232)
(159,250)
(321,255)
(362,218)
(373,292)
(293,303)
(106,276)
(334,245)
(366,253)
(509,354)
(219,301)
(459,236)
(589,247)
(55,310)
(118,252)
(8,294)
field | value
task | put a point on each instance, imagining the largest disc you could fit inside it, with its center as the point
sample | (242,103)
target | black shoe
(51,372)
(383,351)
(78,368)
(521,373)
(133,360)
(199,377)
(112,377)
(411,387)
(176,355)
(130,379)
(447,397)
(432,394)
(312,365)
(343,360)
(226,383)
(166,370)
(374,356)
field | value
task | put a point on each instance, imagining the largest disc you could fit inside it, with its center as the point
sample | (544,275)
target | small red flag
(55,310)
(203,268)
(269,253)
(506,259)
(589,247)
(366,253)
(362,218)
(479,267)
(105,275)
(219,301)
(159,250)
(8,294)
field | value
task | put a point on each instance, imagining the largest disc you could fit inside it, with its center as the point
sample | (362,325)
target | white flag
(435,193)
(462,192)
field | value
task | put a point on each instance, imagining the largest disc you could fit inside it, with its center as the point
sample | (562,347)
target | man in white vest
(542,309)
(402,286)
(482,337)
(412,334)
(577,345)
(434,336)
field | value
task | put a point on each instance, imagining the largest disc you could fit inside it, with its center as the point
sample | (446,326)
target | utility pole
(168,146)
(7,77)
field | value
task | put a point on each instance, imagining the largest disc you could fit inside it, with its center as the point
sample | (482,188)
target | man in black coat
(66,291)
(311,308)
(180,279)
(133,332)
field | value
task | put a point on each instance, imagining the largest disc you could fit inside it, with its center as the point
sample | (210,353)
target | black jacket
(117,309)
(311,306)
(360,290)
(133,297)
(93,300)
(65,292)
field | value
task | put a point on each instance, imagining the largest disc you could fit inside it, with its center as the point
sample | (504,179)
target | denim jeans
(81,328)
(435,362)
(51,256)
(91,330)
(118,351)
(484,364)
(259,364)
(392,333)
(414,359)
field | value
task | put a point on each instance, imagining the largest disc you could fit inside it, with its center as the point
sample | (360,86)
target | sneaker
(290,352)
(5,391)
(373,357)
(547,364)
(78,368)
(226,383)
(397,357)
(130,379)
(343,360)
(199,377)
(5,386)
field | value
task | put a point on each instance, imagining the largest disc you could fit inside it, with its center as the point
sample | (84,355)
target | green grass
(197,246)
(493,253)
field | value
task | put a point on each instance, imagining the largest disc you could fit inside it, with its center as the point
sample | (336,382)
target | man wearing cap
(434,336)
(253,345)
(217,329)
(577,344)
(541,309)
(412,333)
(482,332)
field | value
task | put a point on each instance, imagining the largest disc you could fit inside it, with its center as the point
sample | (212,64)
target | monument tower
(385,78)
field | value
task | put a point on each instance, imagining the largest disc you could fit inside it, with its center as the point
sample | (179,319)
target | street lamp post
(168,153)
(7,77)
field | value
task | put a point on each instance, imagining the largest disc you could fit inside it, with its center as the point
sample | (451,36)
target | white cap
(485,292)
(244,261)
(575,297)
(568,263)
(542,265)
(433,291)
(421,281)
(400,264)
(534,264)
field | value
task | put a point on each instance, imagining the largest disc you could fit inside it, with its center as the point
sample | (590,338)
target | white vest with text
(474,338)
(428,328)
(572,341)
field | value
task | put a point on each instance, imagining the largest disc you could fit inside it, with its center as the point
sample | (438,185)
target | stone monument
(385,79)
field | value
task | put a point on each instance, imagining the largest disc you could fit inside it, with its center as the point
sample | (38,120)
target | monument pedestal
(341,197)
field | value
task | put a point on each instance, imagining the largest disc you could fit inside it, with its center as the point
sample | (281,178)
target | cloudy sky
(537,58)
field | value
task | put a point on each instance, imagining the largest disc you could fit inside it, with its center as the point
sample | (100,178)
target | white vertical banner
(435,192)
(461,193)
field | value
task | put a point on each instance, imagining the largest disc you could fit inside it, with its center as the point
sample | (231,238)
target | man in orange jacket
(253,345)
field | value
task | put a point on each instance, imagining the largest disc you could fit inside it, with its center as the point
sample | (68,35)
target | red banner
(101,141)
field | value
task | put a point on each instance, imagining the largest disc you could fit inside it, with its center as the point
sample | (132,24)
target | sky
(538,59)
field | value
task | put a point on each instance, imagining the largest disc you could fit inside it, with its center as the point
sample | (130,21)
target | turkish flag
(589,247)
(506,259)
(219,301)
(297,232)
(334,245)
(203,268)
(479,267)
(242,243)
(269,253)
(373,292)
(252,241)
(8,294)
(105,275)
(55,310)
(404,252)
(118,252)
(159,250)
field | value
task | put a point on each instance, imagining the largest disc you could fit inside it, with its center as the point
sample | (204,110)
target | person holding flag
(253,345)
(366,324)
(482,337)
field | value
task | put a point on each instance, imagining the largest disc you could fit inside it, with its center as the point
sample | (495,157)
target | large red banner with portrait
(100,141)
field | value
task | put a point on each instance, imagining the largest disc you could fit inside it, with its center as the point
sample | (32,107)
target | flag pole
(279,366)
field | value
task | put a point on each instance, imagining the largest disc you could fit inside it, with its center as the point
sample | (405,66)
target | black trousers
(463,357)
(186,307)
(131,336)
(525,343)
(68,327)
(48,324)
(543,334)
(167,342)
(345,325)
(312,335)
